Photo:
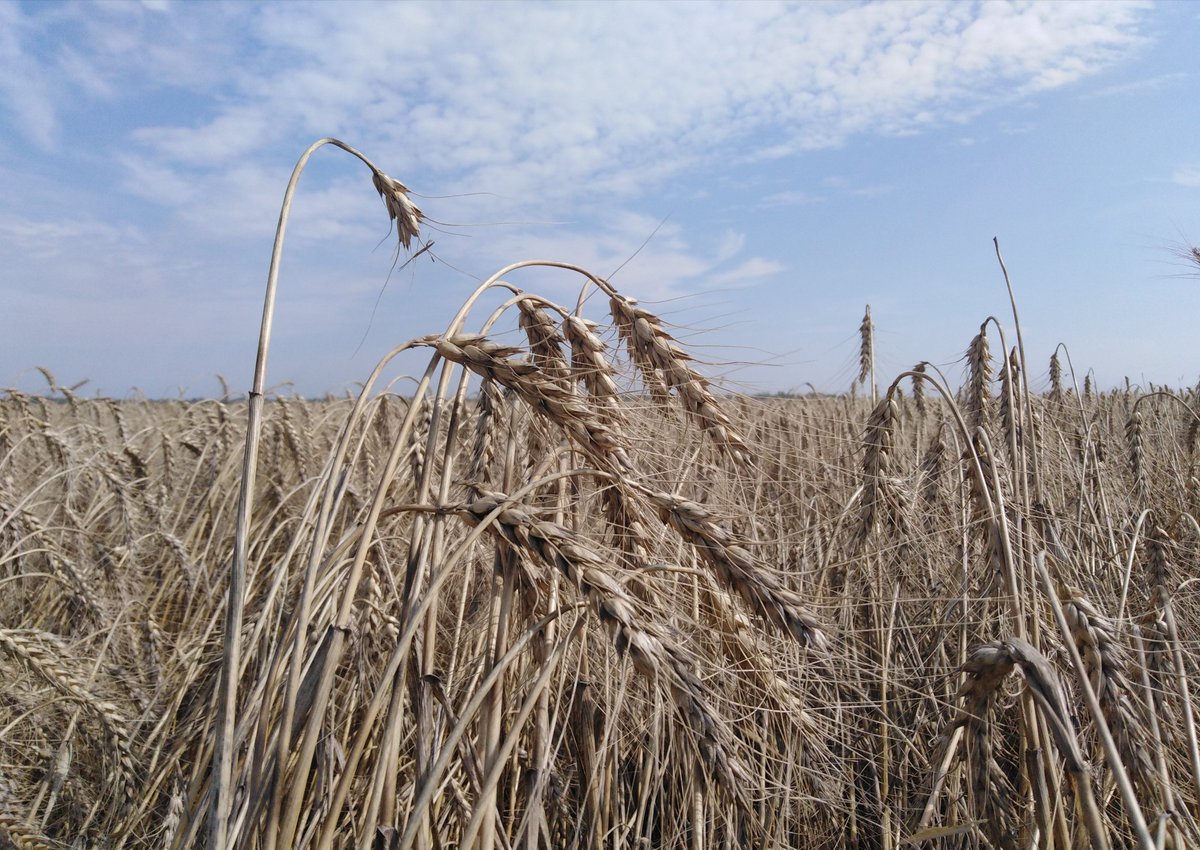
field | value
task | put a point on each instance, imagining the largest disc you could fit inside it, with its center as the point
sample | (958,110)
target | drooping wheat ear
(175,809)
(601,444)
(152,644)
(737,570)
(1158,559)
(918,389)
(977,402)
(627,520)
(986,669)
(401,210)
(595,372)
(1050,697)
(1154,622)
(639,344)
(1056,384)
(545,341)
(42,655)
(82,592)
(294,444)
(1137,460)
(989,789)
(118,418)
(591,367)
(1107,666)
(664,364)
(651,649)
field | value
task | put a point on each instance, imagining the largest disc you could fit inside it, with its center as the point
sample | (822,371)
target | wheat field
(568,593)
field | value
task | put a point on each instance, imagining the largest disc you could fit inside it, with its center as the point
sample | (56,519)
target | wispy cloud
(791,198)
(1188,176)
(532,101)
(1138,86)
(26,97)
(755,268)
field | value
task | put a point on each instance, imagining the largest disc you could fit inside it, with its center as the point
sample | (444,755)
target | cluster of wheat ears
(564,593)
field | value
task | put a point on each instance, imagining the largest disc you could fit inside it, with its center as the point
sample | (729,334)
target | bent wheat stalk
(407,219)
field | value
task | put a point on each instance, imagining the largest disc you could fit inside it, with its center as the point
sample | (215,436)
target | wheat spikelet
(884,503)
(591,367)
(1137,464)
(401,210)
(483,445)
(42,654)
(866,348)
(933,469)
(545,342)
(1010,400)
(600,443)
(15,830)
(1056,384)
(918,389)
(663,363)
(735,569)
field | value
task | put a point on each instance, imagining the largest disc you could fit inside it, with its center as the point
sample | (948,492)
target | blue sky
(788,164)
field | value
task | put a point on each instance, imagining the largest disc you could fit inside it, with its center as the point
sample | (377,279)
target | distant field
(584,600)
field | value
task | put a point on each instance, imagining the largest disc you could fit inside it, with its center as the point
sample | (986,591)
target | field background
(573,596)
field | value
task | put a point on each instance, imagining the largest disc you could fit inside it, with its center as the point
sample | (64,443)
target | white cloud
(1188,176)
(532,99)
(1139,86)
(540,104)
(752,269)
(650,258)
(24,93)
(87,259)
